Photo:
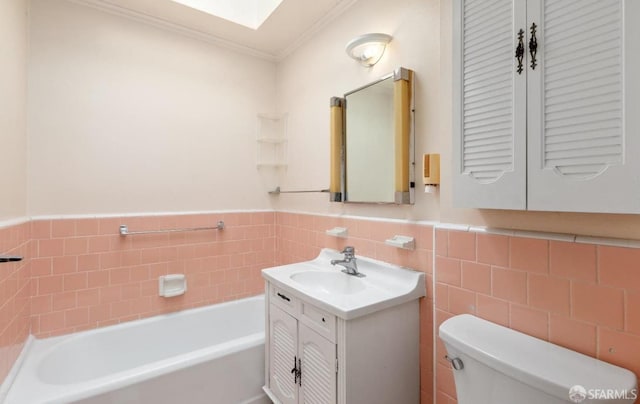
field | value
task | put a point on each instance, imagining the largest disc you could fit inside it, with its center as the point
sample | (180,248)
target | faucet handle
(349,250)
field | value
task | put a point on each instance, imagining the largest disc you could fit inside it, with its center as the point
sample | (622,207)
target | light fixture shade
(368,48)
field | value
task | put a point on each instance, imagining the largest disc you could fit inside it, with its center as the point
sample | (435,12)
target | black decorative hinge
(533,46)
(520,50)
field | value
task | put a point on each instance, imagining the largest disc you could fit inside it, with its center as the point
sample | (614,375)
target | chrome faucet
(349,262)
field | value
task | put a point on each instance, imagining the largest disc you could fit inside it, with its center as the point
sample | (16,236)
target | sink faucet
(349,262)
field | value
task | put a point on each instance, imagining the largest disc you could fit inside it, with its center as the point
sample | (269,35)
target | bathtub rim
(54,342)
(56,393)
(8,381)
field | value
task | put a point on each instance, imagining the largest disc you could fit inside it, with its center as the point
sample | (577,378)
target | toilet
(493,364)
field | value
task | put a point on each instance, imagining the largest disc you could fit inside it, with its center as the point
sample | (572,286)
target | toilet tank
(497,365)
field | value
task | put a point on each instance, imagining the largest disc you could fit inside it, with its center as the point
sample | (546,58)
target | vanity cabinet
(294,347)
(315,357)
(544,99)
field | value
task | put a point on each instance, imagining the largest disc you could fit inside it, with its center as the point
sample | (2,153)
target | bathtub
(208,355)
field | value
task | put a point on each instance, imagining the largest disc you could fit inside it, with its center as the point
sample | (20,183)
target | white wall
(320,69)
(13,101)
(125,117)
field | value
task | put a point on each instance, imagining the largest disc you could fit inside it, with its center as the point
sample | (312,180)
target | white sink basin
(347,296)
(329,282)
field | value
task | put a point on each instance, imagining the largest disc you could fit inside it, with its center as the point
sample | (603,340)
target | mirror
(372,142)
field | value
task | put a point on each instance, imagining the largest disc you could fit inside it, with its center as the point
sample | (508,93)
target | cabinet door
(318,367)
(489,104)
(283,336)
(583,95)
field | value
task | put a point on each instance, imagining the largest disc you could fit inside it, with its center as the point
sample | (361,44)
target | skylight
(250,13)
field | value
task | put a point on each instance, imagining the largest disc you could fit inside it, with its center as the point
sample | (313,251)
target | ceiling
(290,25)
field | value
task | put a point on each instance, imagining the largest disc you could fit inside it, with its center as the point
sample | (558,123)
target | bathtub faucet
(349,262)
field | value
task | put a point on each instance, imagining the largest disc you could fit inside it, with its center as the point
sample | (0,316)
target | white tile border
(366,218)
(565,237)
(147,214)
(13,222)
(569,238)
(614,242)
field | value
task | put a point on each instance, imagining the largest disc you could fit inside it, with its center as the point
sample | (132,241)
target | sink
(317,281)
(329,282)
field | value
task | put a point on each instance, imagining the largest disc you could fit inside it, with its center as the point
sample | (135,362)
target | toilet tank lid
(532,361)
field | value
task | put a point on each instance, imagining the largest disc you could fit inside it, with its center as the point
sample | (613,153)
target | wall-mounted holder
(341,232)
(431,172)
(404,242)
(278,191)
(124,229)
(10,258)
(172,285)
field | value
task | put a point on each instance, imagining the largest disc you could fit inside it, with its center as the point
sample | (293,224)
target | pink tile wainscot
(14,295)
(581,296)
(87,275)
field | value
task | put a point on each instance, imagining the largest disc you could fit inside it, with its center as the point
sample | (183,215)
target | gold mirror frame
(403,140)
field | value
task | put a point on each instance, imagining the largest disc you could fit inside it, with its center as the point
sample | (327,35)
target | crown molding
(328,18)
(318,26)
(144,18)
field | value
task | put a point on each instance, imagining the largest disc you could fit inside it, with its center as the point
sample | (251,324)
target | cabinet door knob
(533,46)
(520,51)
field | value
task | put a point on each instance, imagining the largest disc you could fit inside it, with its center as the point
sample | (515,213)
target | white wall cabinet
(554,129)
(315,357)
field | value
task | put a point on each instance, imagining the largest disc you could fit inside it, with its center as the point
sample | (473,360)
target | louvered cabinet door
(318,368)
(489,94)
(283,355)
(583,131)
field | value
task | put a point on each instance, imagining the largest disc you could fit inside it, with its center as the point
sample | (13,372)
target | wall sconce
(368,48)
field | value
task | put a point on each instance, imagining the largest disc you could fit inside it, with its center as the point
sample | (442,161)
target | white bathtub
(208,355)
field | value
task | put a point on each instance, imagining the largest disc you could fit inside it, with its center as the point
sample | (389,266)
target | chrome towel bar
(124,229)
(10,258)
(278,191)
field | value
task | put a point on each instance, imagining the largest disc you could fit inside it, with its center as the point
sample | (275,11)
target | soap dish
(341,232)
(404,242)
(172,285)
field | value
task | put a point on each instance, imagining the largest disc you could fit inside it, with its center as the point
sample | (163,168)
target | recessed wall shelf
(404,242)
(271,141)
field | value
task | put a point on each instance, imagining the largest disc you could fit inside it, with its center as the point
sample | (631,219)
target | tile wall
(86,275)
(14,295)
(585,297)
(81,274)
